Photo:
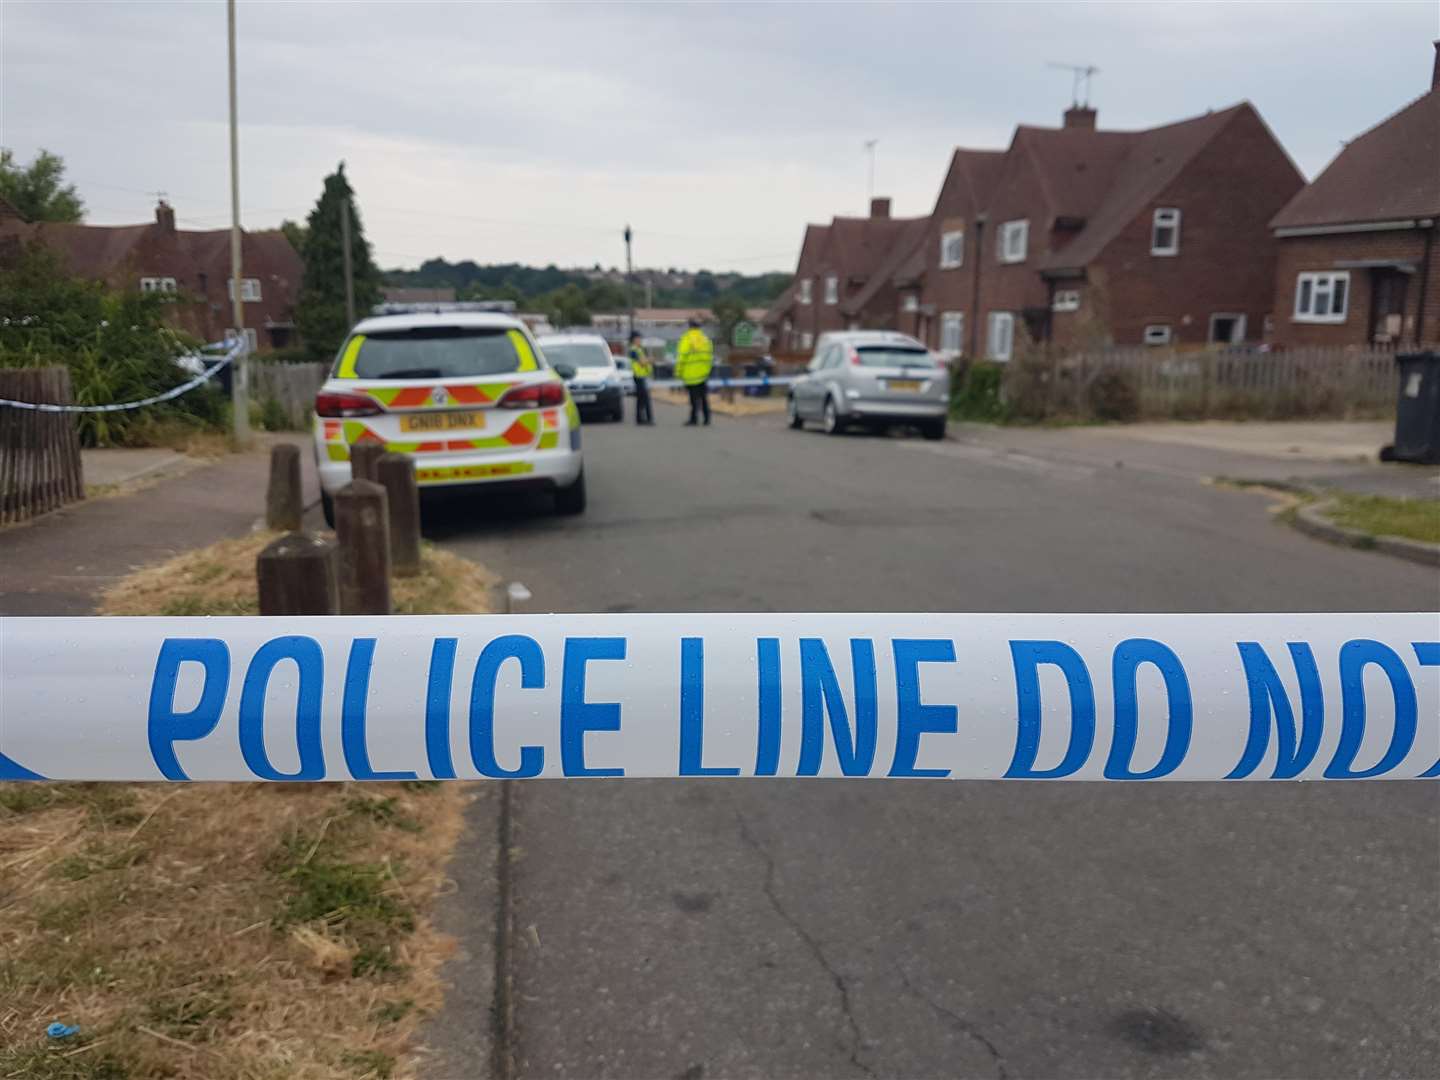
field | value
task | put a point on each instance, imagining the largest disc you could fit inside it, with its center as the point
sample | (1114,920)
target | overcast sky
(532,133)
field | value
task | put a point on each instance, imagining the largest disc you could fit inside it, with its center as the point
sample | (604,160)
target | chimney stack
(879,208)
(1081,117)
(1435,73)
(165,216)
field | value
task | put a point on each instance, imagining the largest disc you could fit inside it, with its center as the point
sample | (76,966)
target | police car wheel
(792,413)
(571,500)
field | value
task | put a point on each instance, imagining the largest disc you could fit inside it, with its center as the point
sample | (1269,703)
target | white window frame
(910,303)
(1157,334)
(952,333)
(1165,217)
(252,340)
(1014,241)
(1240,327)
(1066,300)
(249,290)
(807,340)
(1000,344)
(806,285)
(158,284)
(952,259)
(1321,282)
(832,289)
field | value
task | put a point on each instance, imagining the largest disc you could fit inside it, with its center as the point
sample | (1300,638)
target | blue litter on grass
(58,1030)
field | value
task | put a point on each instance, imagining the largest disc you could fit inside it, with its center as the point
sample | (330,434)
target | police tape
(722,383)
(124,406)
(1081,697)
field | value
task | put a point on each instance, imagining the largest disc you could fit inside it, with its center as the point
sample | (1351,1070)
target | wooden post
(297,576)
(284,503)
(364,457)
(362,527)
(397,477)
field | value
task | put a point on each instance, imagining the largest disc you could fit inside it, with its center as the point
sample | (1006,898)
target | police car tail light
(534,396)
(332,404)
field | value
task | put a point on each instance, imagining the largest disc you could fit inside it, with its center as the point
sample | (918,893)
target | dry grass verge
(225,931)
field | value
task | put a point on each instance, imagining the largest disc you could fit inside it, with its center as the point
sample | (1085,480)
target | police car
(469,396)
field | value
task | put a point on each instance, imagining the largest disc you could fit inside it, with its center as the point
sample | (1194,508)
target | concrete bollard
(362,528)
(397,477)
(364,457)
(297,576)
(284,502)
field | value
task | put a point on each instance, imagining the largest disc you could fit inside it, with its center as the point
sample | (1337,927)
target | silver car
(876,378)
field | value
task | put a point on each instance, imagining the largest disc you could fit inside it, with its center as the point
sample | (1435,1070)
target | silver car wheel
(832,418)
(792,412)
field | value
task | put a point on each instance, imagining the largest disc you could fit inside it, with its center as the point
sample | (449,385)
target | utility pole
(240,373)
(629,275)
(870,149)
(349,266)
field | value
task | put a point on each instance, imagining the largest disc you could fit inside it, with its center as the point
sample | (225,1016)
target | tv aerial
(1080,85)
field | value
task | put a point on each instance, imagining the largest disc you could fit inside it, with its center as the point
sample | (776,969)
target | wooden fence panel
(39,451)
(292,386)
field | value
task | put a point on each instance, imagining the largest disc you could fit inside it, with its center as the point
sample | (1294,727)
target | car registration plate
(583,399)
(442,421)
(903,384)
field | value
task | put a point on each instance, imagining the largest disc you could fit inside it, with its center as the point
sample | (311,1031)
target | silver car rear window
(579,354)
(891,356)
(432,352)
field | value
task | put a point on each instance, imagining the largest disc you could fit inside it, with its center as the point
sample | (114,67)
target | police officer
(694,357)
(642,370)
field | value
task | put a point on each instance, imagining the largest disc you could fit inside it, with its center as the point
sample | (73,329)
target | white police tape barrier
(1083,697)
(175,391)
(722,383)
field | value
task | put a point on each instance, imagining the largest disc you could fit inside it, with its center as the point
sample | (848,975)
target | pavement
(60,563)
(748,928)
(113,466)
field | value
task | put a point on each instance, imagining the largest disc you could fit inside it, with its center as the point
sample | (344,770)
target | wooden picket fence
(1155,384)
(39,451)
(291,386)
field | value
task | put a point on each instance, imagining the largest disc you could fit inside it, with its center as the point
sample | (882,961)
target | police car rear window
(431,352)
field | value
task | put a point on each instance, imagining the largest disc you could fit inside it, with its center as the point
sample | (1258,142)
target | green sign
(743,335)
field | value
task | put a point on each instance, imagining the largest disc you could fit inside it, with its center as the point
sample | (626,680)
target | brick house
(193,266)
(1356,246)
(836,284)
(1077,234)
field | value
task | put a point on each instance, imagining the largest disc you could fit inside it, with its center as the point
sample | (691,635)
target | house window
(1066,300)
(1322,297)
(1001,339)
(249,289)
(952,332)
(911,303)
(1014,239)
(807,340)
(157,284)
(832,289)
(952,249)
(805,284)
(1157,334)
(1165,232)
(251,341)
(1227,328)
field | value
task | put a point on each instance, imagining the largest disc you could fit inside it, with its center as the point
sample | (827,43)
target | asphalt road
(709,929)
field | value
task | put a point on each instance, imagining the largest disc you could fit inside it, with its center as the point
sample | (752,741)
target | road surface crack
(960,1023)
(856,1039)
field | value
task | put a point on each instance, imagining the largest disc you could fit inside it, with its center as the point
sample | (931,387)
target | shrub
(977,394)
(1112,396)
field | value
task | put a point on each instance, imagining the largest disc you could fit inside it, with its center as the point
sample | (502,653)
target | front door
(1387,305)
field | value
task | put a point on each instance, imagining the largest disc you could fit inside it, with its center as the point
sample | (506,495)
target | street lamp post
(240,376)
(629,273)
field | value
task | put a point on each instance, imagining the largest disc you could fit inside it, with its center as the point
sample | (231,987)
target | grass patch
(224,931)
(1412,519)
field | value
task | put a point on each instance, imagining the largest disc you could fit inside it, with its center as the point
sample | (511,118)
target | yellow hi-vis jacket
(640,365)
(694,357)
